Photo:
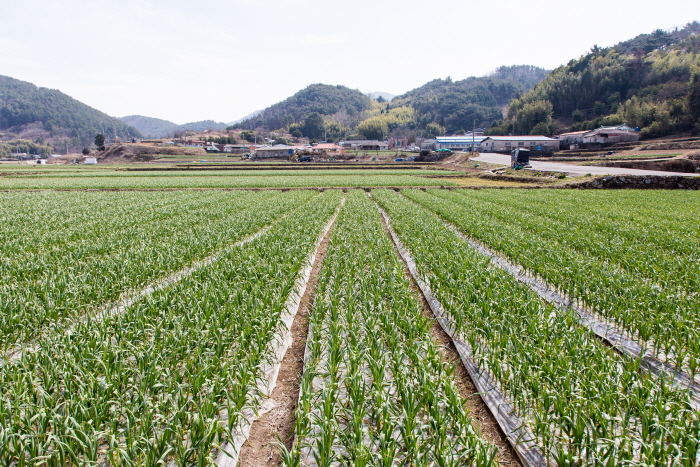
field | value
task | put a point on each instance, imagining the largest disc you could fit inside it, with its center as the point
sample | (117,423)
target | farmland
(145,327)
(106,180)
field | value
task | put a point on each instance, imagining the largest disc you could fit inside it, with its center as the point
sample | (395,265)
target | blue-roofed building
(458,143)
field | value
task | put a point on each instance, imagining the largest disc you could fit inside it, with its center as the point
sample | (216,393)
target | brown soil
(129,152)
(483,420)
(277,425)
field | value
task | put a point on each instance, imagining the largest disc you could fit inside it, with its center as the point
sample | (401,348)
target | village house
(329,149)
(192,143)
(227,148)
(600,137)
(505,144)
(458,143)
(276,151)
(607,135)
(365,145)
(571,140)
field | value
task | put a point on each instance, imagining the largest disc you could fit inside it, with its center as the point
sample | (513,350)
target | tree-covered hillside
(333,112)
(321,99)
(649,81)
(62,118)
(457,105)
(203,125)
(157,128)
(150,127)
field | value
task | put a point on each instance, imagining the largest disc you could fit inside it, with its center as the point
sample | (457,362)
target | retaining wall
(641,181)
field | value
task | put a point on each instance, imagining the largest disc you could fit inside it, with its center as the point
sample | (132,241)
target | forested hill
(156,128)
(651,81)
(60,116)
(456,105)
(150,127)
(320,99)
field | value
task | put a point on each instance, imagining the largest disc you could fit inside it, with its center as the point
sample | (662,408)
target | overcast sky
(185,61)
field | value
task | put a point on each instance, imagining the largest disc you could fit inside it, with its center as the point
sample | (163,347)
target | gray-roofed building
(365,145)
(276,151)
(606,135)
(505,144)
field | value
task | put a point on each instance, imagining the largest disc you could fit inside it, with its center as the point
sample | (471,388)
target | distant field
(275,179)
(481,182)
(222,173)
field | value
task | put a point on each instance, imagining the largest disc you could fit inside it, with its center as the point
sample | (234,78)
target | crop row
(585,403)
(657,242)
(167,379)
(217,181)
(238,172)
(123,247)
(642,277)
(375,390)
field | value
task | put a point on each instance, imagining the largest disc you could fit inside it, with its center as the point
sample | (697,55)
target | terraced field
(492,327)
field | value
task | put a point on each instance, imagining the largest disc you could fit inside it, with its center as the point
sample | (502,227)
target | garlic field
(148,328)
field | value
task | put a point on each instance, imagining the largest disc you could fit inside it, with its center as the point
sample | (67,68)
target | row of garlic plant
(586,404)
(123,251)
(31,221)
(165,381)
(623,279)
(660,247)
(238,170)
(375,390)
(307,180)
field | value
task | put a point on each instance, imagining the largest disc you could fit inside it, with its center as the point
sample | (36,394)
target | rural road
(574,169)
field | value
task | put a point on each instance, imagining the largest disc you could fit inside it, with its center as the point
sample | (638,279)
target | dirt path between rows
(261,449)
(483,420)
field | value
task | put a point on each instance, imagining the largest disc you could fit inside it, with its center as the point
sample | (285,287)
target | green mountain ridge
(651,81)
(53,117)
(322,99)
(459,105)
(331,112)
(157,128)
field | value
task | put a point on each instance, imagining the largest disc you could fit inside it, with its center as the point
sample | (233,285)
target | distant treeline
(10,148)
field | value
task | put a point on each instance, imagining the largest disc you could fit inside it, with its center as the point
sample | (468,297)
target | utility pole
(473,131)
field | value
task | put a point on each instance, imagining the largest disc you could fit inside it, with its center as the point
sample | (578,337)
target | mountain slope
(458,105)
(203,125)
(322,99)
(646,82)
(250,115)
(157,128)
(54,115)
(150,127)
(384,95)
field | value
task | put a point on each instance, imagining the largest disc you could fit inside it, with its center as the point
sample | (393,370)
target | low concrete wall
(658,182)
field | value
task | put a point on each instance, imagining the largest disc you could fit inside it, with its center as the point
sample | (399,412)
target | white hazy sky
(185,61)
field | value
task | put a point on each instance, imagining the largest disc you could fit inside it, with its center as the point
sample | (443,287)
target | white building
(505,144)
(365,145)
(610,135)
(276,151)
(458,143)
